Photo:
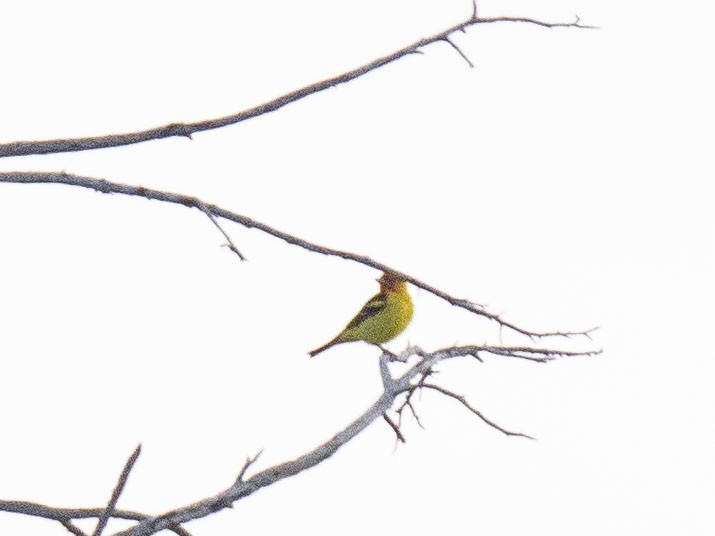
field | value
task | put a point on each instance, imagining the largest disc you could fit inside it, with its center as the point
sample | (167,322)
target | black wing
(376,304)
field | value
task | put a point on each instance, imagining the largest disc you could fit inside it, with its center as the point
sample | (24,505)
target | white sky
(565,181)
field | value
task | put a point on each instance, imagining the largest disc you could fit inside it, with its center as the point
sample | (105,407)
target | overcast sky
(565,181)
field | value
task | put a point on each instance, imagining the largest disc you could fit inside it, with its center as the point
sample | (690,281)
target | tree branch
(459,51)
(108,187)
(244,488)
(107,514)
(249,461)
(230,245)
(395,428)
(466,404)
(66,515)
(23,148)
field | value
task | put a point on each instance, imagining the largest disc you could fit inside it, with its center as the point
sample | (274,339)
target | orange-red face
(389,281)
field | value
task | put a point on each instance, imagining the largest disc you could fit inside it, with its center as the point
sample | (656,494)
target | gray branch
(23,148)
(66,515)
(463,401)
(107,514)
(108,187)
(243,487)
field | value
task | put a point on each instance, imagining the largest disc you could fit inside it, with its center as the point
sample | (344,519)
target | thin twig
(244,488)
(102,522)
(230,245)
(478,413)
(407,403)
(394,427)
(105,186)
(21,148)
(538,355)
(455,47)
(249,461)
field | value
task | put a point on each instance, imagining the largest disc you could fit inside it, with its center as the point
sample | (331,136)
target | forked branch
(242,488)
(414,378)
(21,148)
(109,510)
(408,383)
(65,515)
(214,211)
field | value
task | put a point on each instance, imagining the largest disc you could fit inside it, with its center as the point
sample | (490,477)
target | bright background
(565,181)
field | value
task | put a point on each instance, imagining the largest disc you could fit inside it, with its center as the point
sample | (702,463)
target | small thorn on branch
(179,129)
(475,355)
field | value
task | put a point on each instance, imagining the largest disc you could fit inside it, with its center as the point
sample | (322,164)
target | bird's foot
(391,356)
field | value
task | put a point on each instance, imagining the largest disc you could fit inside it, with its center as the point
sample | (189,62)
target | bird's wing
(376,304)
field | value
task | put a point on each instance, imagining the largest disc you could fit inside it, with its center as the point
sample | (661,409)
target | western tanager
(381,319)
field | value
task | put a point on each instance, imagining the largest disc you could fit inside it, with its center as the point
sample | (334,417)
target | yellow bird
(381,319)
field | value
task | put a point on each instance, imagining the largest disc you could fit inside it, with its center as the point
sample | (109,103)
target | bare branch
(102,522)
(455,47)
(273,474)
(387,379)
(230,245)
(408,399)
(264,478)
(537,355)
(65,515)
(394,427)
(249,461)
(104,186)
(22,148)
(408,403)
(478,413)
(244,487)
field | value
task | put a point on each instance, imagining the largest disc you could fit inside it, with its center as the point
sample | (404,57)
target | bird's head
(389,281)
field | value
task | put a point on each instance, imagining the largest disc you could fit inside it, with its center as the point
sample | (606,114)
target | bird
(381,319)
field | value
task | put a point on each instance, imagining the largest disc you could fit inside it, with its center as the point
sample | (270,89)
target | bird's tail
(315,352)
